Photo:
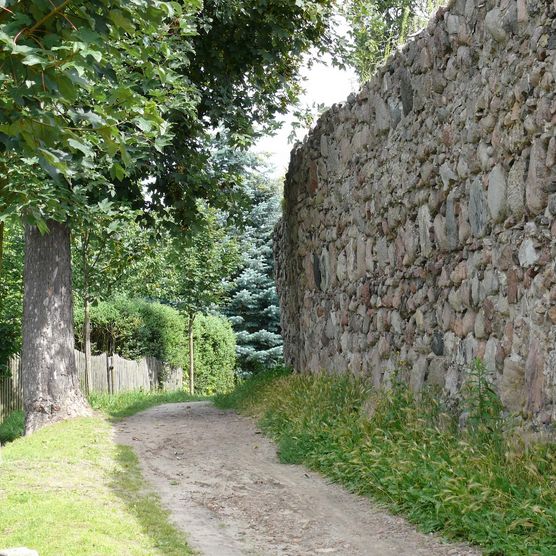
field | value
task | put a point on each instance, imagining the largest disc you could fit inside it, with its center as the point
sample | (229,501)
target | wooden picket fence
(108,374)
(11,390)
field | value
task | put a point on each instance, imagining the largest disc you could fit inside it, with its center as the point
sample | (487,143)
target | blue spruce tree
(253,306)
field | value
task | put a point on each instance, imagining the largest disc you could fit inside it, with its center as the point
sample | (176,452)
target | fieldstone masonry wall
(419,229)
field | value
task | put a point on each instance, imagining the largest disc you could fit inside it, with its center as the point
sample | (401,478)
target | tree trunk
(87,344)
(86,315)
(191,356)
(1,246)
(50,383)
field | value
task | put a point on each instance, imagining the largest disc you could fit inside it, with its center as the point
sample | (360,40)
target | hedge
(214,354)
(135,328)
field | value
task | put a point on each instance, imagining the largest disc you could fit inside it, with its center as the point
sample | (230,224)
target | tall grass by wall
(482,483)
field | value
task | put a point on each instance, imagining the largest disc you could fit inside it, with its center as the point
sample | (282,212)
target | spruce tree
(253,307)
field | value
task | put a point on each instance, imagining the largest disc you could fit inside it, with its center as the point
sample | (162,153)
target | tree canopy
(252,306)
(245,66)
(197,270)
(376,27)
(92,93)
(84,89)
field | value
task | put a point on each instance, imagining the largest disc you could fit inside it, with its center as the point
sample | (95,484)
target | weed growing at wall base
(479,484)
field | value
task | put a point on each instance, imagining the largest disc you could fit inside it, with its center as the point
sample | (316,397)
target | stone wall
(419,227)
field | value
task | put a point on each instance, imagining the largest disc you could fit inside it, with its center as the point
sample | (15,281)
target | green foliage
(482,406)
(199,268)
(488,488)
(101,95)
(13,427)
(253,305)
(118,406)
(109,245)
(135,328)
(245,66)
(11,291)
(247,58)
(84,97)
(378,26)
(68,489)
(82,91)
(214,354)
(196,282)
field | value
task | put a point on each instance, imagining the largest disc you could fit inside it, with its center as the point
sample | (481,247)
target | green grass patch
(12,427)
(118,406)
(115,406)
(69,489)
(480,484)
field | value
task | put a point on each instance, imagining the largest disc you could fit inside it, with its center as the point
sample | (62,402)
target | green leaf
(34,60)
(85,148)
(67,88)
(118,171)
(121,21)
(143,124)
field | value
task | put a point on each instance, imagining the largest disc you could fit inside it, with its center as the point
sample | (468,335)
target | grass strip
(115,406)
(480,484)
(119,406)
(69,489)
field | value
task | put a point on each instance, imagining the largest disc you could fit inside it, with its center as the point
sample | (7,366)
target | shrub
(13,427)
(162,333)
(135,328)
(215,355)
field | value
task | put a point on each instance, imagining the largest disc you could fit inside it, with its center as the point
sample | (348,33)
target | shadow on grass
(119,406)
(141,502)
(114,406)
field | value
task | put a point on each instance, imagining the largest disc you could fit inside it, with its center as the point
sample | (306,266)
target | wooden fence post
(11,389)
(110,374)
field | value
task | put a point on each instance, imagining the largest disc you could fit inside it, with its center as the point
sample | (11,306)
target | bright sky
(325,84)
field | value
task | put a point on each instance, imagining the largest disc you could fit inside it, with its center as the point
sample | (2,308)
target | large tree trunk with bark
(50,383)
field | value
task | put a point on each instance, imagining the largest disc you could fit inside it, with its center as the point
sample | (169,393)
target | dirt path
(225,488)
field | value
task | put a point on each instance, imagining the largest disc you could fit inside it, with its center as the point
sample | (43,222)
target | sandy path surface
(225,488)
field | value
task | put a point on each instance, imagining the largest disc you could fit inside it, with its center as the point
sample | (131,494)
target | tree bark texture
(87,342)
(191,356)
(50,383)
(86,315)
